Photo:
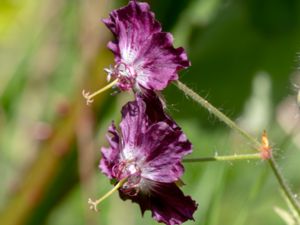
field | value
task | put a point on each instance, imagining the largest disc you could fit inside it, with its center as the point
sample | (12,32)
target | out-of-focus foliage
(244,60)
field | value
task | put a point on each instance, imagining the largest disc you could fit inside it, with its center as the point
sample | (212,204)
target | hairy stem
(221,116)
(284,186)
(234,157)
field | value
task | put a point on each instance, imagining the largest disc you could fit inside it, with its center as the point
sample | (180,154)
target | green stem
(284,186)
(274,166)
(224,158)
(221,116)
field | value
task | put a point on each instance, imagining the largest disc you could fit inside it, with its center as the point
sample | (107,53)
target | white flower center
(118,71)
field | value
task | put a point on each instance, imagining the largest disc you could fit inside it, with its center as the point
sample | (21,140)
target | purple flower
(147,155)
(144,55)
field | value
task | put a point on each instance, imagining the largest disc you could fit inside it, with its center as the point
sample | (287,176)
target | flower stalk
(235,157)
(284,186)
(222,117)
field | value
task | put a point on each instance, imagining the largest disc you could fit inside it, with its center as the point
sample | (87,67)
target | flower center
(124,77)
(124,74)
(130,170)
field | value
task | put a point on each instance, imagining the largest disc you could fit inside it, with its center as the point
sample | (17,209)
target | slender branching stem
(221,116)
(284,186)
(234,157)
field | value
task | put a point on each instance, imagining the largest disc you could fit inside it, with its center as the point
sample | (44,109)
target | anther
(109,72)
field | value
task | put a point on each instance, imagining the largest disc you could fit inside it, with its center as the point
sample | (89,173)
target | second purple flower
(145,157)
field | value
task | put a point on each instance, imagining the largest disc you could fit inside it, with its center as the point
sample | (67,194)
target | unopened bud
(266,150)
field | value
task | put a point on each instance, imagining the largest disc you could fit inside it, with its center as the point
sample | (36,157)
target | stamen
(93,204)
(89,97)
(109,72)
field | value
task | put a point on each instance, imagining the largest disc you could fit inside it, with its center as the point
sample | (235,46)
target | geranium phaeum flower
(146,155)
(144,55)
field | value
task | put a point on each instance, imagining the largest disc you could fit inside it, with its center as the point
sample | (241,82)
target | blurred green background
(244,60)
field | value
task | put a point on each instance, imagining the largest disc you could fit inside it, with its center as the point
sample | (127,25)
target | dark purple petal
(148,134)
(158,64)
(110,156)
(164,148)
(145,50)
(114,47)
(167,203)
(155,108)
(132,26)
(133,122)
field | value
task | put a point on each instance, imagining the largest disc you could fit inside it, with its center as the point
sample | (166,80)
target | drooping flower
(144,55)
(145,160)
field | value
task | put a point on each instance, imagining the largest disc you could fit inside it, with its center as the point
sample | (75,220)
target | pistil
(94,204)
(89,97)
